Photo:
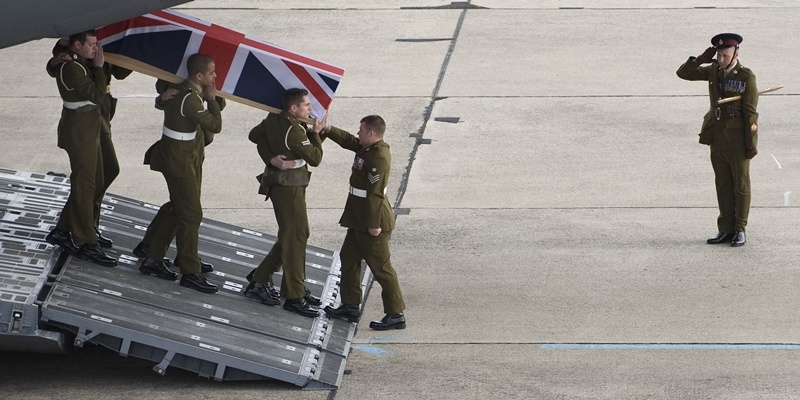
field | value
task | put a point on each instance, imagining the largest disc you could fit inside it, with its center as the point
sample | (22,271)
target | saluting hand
(707,56)
(280,162)
(374,231)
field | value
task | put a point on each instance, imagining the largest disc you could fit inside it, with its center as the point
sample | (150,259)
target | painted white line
(776,161)
(786,198)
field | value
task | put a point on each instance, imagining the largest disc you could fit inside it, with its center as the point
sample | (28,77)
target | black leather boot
(397,321)
(347,312)
(63,239)
(739,239)
(300,306)
(721,237)
(94,253)
(103,241)
(198,282)
(159,268)
(259,292)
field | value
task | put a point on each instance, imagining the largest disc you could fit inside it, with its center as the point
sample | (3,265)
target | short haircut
(198,63)
(293,97)
(375,123)
(81,36)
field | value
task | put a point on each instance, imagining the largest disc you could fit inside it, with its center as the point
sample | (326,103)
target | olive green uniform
(367,207)
(282,134)
(107,110)
(164,222)
(83,89)
(177,159)
(110,162)
(729,129)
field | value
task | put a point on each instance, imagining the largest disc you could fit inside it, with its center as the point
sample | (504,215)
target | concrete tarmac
(552,199)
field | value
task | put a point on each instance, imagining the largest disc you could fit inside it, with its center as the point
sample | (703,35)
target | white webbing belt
(74,105)
(361,192)
(178,135)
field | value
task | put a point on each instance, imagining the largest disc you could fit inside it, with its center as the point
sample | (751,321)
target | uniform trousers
(164,222)
(110,167)
(180,219)
(360,245)
(86,178)
(732,180)
(289,204)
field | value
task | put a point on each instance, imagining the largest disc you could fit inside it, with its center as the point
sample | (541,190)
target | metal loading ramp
(224,336)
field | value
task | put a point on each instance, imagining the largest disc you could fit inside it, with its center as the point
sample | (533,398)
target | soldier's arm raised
(343,138)
(209,119)
(75,76)
(692,70)
(307,144)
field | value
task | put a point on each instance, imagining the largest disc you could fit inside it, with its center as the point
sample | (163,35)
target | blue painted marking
(669,346)
(375,351)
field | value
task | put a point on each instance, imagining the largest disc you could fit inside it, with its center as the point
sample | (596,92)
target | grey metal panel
(23,20)
(225,336)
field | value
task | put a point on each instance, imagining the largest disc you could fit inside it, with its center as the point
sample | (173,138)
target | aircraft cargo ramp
(50,301)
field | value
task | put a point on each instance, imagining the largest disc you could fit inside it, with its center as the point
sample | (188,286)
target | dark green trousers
(86,177)
(374,250)
(179,218)
(289,204)
(165,223)
(732,180)
(110,167)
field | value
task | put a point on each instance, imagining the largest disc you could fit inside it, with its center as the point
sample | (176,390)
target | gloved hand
(707,56)
(750,153)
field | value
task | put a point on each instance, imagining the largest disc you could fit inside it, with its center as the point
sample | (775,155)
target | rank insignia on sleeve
(753,128)
(373,178)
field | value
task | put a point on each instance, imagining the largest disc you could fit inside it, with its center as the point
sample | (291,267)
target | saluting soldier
(731,129)
(175,156)
(287,147)
(165,218)
(369,220)
(82,84)
(107,110)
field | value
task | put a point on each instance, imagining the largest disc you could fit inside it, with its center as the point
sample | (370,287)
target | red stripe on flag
(293,56)
(310,84)
(222,43)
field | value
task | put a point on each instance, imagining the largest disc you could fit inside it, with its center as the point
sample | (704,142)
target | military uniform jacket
(183,113)
(283,134)
(107,108)
(737,117)
(369,176)
(162,86)
(79,82)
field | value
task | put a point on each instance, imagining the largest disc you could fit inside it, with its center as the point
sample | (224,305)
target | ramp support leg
(161,368)
(84,336)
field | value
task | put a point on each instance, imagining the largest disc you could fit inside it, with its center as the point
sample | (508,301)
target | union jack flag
(246,68)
